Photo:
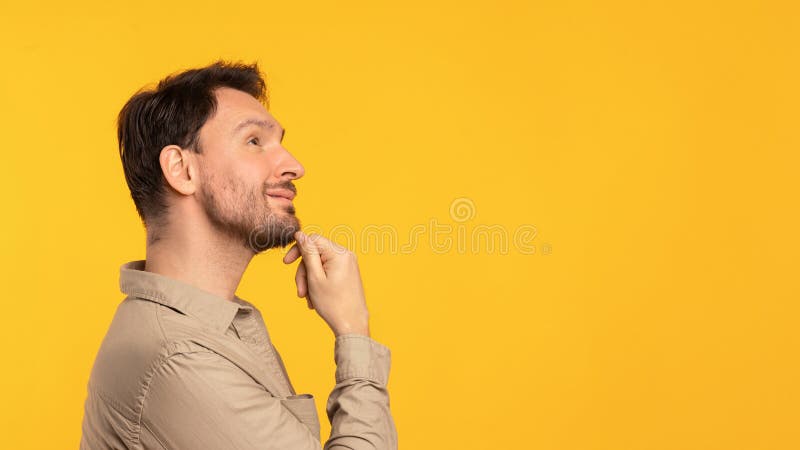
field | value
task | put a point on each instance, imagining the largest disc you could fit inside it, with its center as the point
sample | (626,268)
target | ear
(179,169)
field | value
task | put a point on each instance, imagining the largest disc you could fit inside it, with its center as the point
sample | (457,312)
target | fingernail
(301,237)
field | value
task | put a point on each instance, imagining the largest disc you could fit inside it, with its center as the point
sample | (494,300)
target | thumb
(310,253)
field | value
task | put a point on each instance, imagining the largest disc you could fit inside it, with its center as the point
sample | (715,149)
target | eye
(253,141)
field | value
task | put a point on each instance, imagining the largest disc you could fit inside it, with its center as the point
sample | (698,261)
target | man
(187,364)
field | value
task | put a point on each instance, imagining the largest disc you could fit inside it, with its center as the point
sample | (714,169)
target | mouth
(281,194)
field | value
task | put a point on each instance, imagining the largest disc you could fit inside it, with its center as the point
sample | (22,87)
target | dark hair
(172,114)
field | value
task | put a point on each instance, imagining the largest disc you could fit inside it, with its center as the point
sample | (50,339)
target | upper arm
(200,400)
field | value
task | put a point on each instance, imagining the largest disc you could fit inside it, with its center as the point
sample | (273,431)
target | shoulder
(136,344)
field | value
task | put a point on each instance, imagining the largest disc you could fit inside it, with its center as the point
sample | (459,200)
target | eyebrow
(260,123)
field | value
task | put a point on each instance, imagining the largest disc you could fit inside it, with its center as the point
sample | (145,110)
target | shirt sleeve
(358,406)
(200,400)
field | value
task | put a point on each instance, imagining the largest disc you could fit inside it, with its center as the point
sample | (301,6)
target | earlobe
(177,169)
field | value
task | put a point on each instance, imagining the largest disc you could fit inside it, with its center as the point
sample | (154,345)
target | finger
(310,254)
(292,254)
(326,248)
(301,281)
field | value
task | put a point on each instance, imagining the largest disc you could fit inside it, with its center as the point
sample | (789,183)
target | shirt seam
(146,294)
(156,438)
(149,377)
(109,400)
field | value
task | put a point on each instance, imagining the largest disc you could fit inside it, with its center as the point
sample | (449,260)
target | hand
(328,277)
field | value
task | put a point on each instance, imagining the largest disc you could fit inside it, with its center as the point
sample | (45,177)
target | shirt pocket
(303,407)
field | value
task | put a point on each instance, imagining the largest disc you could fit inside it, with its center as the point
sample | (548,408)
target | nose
(290,168)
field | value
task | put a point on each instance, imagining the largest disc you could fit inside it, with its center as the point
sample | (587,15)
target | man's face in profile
(246,174)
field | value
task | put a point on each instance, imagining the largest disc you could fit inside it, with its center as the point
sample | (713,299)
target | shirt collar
(204,306)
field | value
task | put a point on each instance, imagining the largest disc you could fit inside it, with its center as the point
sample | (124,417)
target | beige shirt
(181,368)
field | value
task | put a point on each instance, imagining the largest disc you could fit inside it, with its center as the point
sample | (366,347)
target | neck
(204,258)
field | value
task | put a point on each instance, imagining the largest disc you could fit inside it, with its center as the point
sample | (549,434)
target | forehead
(234,106)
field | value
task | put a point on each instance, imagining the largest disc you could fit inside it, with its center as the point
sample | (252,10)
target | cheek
(257,169)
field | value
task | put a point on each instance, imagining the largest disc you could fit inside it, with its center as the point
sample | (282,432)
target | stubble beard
(244,215)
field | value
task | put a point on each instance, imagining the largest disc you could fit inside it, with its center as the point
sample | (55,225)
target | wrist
(361,329)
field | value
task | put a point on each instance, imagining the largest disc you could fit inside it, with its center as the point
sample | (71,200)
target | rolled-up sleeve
(200,400)
(358,406)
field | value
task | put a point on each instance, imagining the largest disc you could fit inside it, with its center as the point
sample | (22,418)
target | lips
(281,193)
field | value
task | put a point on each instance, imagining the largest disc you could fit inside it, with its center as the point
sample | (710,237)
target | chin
(276,232)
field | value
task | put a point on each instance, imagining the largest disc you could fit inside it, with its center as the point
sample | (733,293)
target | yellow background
(653,145)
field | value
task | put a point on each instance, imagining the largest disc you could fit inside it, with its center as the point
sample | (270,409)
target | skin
(220,215)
